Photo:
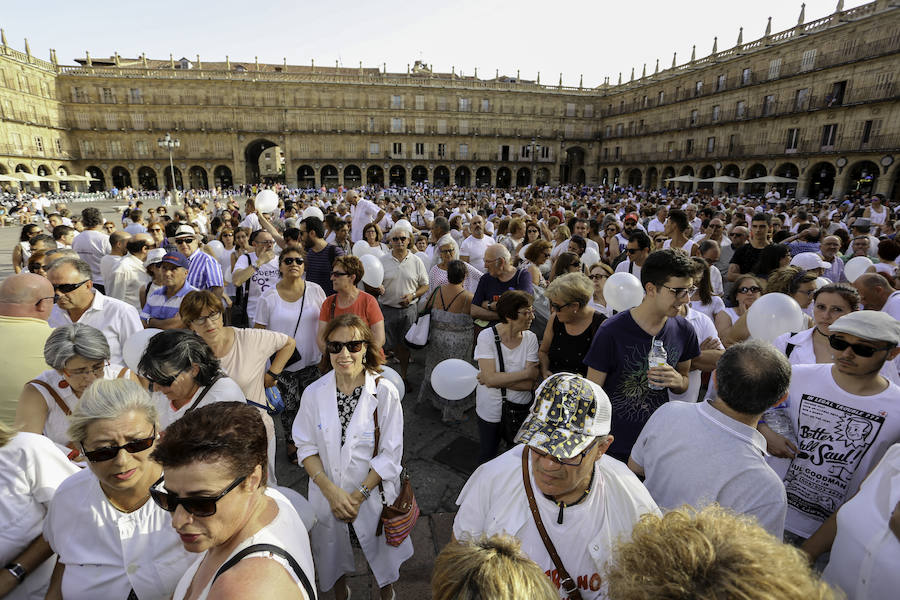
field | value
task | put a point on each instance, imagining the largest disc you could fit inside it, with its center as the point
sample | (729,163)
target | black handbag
(512,414)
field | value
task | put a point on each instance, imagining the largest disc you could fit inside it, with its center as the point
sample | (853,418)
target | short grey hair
(76,339)
(58,253)
(571,287)
(501,252)
(81,266)
(752,376)
(109,399)
(443,241)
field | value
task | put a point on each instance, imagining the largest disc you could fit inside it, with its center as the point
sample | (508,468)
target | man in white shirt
(876,293)
(658,223)
(638,249)
(92,244)
(363,212)
(130,276)
(473,247)
(117,242)
(583,228)
(78,302)
(558,474)
(700,453)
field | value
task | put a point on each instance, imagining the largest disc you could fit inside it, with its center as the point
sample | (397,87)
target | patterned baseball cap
(569,412)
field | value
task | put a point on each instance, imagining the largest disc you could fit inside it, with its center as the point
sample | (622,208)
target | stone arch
(462,177)
(375,176)
(306,176)
(328,177)
(634,177)
(706,172)
(97,173)
(252,152)
(44,171)
(580,176)
(754,171)
(483,177)
(820,179)
(687,170)
(604,177)
(615,176)
(397,176)
(167,175)
(222,177)
(574,159)
(542,177)
(121,177)
(441,176)
(504,177)
(523,177)
(419,174)
(352,176)
(862,177)
(146,177)
(197,178)
(668,173)
(652,179)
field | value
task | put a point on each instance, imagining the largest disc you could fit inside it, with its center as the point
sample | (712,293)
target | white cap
(808,261)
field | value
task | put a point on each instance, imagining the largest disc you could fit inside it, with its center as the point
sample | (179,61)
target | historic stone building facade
(817,103)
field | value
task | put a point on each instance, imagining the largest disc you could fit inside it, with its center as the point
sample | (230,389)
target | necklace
(563,505)
(131,507)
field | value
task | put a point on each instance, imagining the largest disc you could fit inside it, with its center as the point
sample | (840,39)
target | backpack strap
(298,570)
(122,373)
(59,401)
(499,360)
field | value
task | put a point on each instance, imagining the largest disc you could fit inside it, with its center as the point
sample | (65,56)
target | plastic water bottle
(656,358)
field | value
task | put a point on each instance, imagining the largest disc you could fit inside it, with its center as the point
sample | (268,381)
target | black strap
(631,267)
(500,360)
(307,587)
(203,393)
(302,303)
(444,304)
(790,347)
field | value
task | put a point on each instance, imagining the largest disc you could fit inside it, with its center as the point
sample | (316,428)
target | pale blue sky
(598,38)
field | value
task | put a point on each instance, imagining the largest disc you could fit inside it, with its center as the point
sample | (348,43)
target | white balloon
(374,270)
(774,314)
(135,345)
(454,379)
(822,281)
(266,201)
(590,257)
(314,211)
(361,248)
(623,291)
(394,377)
(855,267)
(217,248)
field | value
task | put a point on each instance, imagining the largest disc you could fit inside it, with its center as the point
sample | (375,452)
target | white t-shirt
(261,281)
(704,327)
(488,400)
(278,315)
(840,436)
(223,390)
(117,320)
(474,248)
(656,225)
(92,245)
(626,266)
(363,213)
(108,264)
(710,310)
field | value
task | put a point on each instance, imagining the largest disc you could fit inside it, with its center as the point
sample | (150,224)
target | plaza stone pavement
(439,458)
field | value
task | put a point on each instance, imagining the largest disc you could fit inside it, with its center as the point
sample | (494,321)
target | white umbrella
(771,179)
(30,178)
(722,179)
(683,179)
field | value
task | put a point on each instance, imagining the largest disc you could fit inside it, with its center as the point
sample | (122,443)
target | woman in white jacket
(335,437)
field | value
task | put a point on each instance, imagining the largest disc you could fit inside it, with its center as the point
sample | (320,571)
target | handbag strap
(203,393)
(302,303)
(298,570)
(565,580)
(333,305)
(500,360)
(59,401)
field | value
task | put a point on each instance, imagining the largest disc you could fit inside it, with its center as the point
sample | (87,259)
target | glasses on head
(598,276)
(96,370)
(682,292)
(575,461)
(66,288)
(861,350)
(199,506)
(749,289)
(213,316)
(352,346)
(184,240)
(110,452)
(292,260)
(338,274)
(559,307)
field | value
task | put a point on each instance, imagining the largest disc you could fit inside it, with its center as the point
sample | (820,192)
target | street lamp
(169,143)
(534,150)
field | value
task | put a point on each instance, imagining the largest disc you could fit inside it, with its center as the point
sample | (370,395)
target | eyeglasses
(753,289)
(447,251)
(352,346)
(338,274)
(155,230)
(213,316)
(199,506)
(736,235)
(633,250)
(110,452)
(264,243)
(36,267)
(187,240)
(292,260)
(38,303)
(399,239)
(95,370)
(558,307)
(575,461)
(527,312)
(597,276)
(861,350)
(67,288)
(227,235)
(681,292)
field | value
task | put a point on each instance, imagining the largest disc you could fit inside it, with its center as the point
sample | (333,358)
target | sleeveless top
(285,531)
(567,351)
(732,314)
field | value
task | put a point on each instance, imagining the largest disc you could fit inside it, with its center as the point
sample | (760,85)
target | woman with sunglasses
(78,355)
(571,327)
(37,263)
(336,445)
(214,484)
(111,540)
(346,272)
(745,292)
(611,242)
(372,236)
(292,307)
(22,250)
(598,274)
(536,258)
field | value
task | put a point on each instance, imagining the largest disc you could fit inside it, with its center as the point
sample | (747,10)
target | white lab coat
(317,430)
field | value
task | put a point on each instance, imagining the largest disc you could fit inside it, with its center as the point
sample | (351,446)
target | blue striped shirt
(205,271)
(160,307)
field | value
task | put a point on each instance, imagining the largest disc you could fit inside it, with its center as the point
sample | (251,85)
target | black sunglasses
(338,274)
(186,240)
(399,239)
(110,452)
(199,506)
(353,346)
(292,260)
(753,289)
(860,350)
(65,288)
(633,250)
(35,267)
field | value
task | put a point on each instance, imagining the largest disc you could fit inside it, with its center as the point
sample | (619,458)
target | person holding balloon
(793,282)
(747,289)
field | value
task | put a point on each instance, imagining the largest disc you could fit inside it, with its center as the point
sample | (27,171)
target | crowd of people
(657,451)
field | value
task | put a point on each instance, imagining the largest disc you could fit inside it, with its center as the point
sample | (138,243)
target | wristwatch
(17,570)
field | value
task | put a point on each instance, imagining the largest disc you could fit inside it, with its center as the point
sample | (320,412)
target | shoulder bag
(512,415)
(417,336)
(565,580)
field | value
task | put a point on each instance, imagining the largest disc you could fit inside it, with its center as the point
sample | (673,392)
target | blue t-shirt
(489,286)
(620,350)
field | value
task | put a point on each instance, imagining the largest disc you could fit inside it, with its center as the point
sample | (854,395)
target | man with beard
(320,254)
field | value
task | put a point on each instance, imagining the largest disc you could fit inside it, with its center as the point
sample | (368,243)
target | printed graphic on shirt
(265,278)
(832,441)
(633,400)
(585,583)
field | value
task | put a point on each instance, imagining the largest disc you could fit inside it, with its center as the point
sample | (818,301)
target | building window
(618,152)
(141,147)
(732,143)
(689,146)
(108,97)
(397,149)
(801,99)
(374,148)
(420,125)
(569,131)
(137,121)
(720,83)
(463,151)
(485,105)
(397,125)
(465,105)
(545,152)
(588,111)
(87,147)
(134,96)
(746,76)
(23,84)
(620,128)
(442,103)
(836,96)
(608,131)
(420,102)
(867,132)
(644,102)
(115,148)
(793,139)
(463,127)
(39,144)
(695,116)
(370,123)
(774,68)
(809,60)
(570,109)
(441,150)
(606,154)
(442,126)
(698,88)
(829,134)
(710,145)
(768,106)
(78,95)
(420,149)
(396,101)
(660,98)
(740,109)
(111,121)
(715,113)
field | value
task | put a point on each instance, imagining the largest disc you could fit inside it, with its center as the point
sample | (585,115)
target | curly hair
(709,554)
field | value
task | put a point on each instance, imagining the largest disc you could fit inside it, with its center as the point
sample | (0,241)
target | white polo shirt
(475,248)
(401,277)
(116,319)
